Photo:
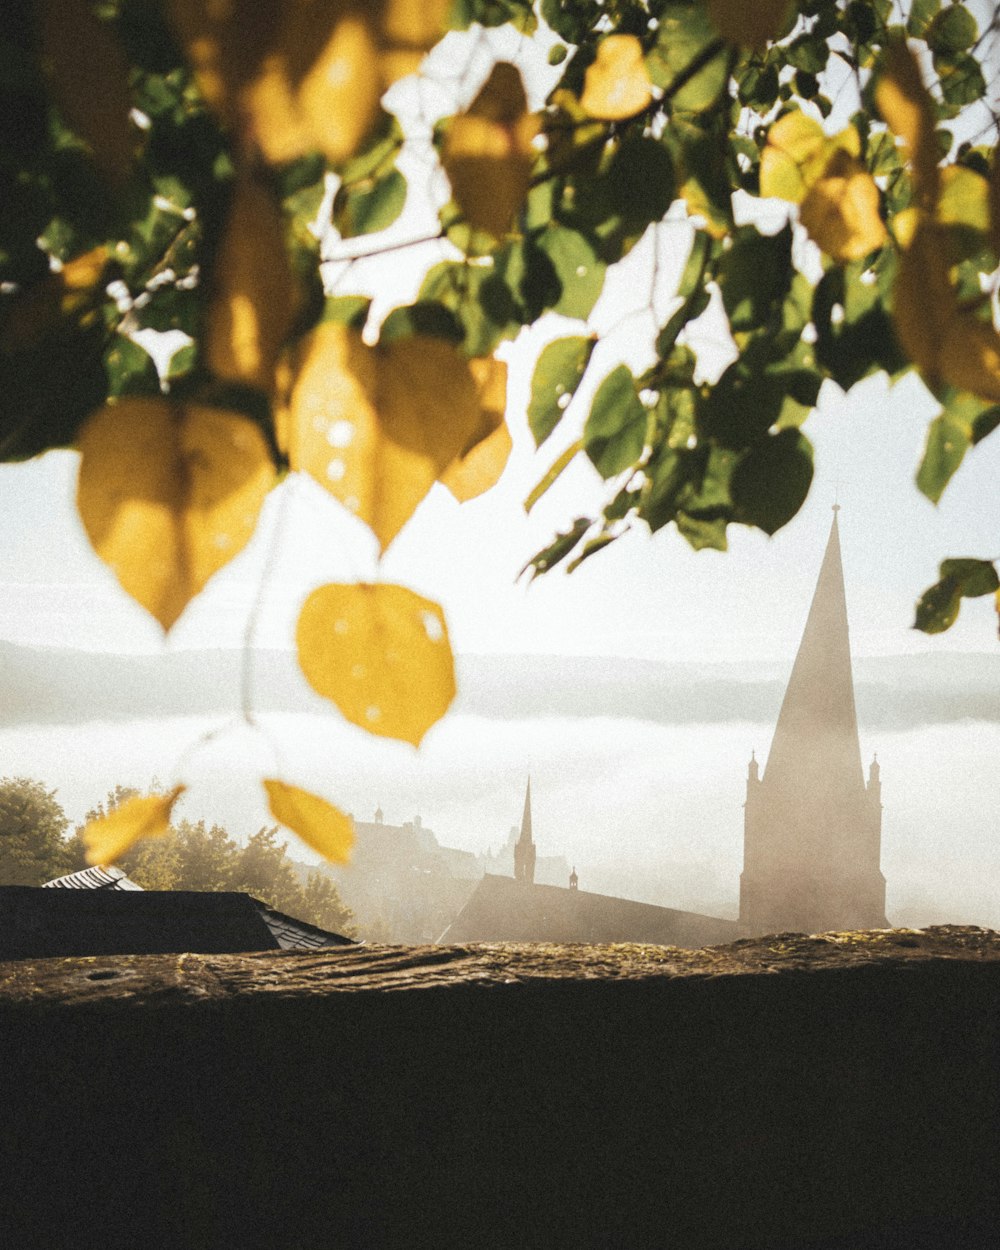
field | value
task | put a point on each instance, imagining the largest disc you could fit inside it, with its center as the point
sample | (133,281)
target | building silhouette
(812,827)
(524,848)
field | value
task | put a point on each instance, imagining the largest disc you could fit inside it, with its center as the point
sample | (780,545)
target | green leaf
(485,308)
(771,481)
(369,206)
(963,578)
(701,533)
(922,13)
(182,362)
(755,275)
(130,369)
(685,34)
(558,549)
(973,577)
(808,53)
(590,548)
(947,442)
(952,30)
(577,266)
(557,375)
(561,463)
(425,317)
(615,431)
(348,310)
(961,77)
(937,608)
(380,154)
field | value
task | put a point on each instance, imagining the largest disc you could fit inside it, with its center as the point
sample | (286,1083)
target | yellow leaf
(485,457)
(72,292)
(487,152)
(798,153)
(406,31)
(378,426)
(381,654)
(795,155)
(753,24)
(108,837)
(841,213)
(168,493)
(225,43)
(908,109)
(994,202)
(320,87)
(946,343)
(88,72)
(252,302)
(616,85)
(319,824)
(964,199)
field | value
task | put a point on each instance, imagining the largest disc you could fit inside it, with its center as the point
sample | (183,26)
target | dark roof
(504,910)
(299,935)
(95,878)
(39,923)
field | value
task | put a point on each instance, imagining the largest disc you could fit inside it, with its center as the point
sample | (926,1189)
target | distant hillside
(53,686)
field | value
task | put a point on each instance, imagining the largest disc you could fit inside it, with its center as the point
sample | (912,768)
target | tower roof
(816,738)
(526,816)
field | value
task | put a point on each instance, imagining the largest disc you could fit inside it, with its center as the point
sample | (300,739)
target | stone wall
(837,1092)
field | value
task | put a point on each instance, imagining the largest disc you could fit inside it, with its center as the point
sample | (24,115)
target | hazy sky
(658,805)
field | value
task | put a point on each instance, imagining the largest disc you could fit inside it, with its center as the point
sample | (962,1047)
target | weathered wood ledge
(835,1092)
(146,981)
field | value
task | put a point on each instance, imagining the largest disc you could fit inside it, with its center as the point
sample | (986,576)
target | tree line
(37,845)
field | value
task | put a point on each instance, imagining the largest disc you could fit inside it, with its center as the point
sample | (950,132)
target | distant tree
(32,830)
(323,906)
(206,857)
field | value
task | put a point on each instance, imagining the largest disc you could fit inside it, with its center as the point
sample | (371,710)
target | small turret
(753,768)
(378,815)
(574,880)
(874,786)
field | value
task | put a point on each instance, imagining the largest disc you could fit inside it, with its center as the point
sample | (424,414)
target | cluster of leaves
(165,167)
(36,846)
(890,298)
(196,856)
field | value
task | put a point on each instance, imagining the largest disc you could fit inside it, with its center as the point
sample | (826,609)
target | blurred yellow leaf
(252,302)
(908,109)
(794,156)
(378,426)
(487,152)
(74,291)
(381,654)
(964,199)
(750,24)
(947,343)
(319,824)
(616,85)
(108,837)
(306,75)
(319,86)
(88,73)
(481,463)
(841,210)
(168,493)
(994,203)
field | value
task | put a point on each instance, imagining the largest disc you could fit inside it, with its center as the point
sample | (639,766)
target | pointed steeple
(524,848)
(526,815)
(812,831)
(816,739)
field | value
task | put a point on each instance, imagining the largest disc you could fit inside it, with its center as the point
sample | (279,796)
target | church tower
(524,848)
(812,828)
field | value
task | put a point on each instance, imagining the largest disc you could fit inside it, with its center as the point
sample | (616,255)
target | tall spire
(524,849)
(812,830)
(816,739)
